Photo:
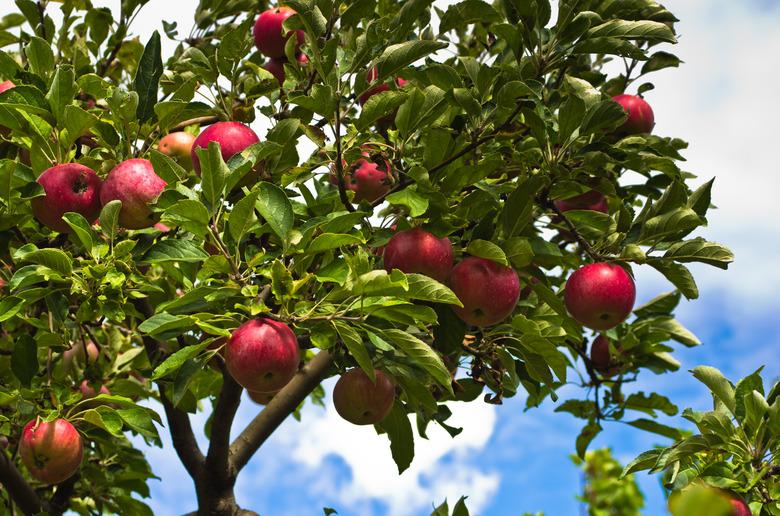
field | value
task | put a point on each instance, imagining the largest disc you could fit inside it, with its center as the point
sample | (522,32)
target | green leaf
(354,343)
(645,460)
(720,387)
(678,275)
(328,241)
(380,105)
(700,250)
(77,123)
(609,46)
(213,172)
(175,250)
(588,433)
(649,404)
(399,430)
(468,12)
(275,207)
(10,306)
(140,420)
(643,29)
(416,203)
(82,229)
(659,61)
(147,78)
(663,304)
(177,359)
(62,91)
(105,418)
(425,288)
(680,220)
(164,323)
(605,115)
(519,206)
(242,216)
(109,217)
(487,250)
(54,259)
(422,354)
(570,117)
(190,215)
(24,358)
(167,168)
(403,54)
(40,56)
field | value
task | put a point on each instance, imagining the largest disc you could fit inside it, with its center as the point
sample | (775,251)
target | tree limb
(281,406)
(183,438)
(21,492)
(217,459)
(60,501)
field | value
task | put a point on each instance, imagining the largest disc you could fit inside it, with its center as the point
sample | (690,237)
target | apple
(232,137)
(88,389)
(261,398)
(417,250)
(135,183)
(275,65)
(371,77)
(262,355)
(739,507)
(600,295)
(270,36)
(78,355)
(178,145)
(6,85)
(592,200)
(640,115)
(361,401)
(67,187)
(368,177)
(51,451)
(488,290)
(3,442)
(601,359)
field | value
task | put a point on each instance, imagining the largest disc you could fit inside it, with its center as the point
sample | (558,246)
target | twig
(573,229)
(21,492)
(340,163)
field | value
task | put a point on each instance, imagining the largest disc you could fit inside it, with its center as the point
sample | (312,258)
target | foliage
(737,445)
(515,114)
(607,491)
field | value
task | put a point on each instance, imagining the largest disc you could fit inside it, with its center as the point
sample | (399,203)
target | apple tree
(446,206)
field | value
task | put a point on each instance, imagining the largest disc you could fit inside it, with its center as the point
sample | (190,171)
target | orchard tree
(448,207)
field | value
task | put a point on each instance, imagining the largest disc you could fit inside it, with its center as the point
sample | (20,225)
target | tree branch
(21,492)
(573,229)
(340,163)
(217,459)
(183,438)
(281,406)
(61,500)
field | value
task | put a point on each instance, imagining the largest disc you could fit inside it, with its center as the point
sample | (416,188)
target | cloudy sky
(724,101)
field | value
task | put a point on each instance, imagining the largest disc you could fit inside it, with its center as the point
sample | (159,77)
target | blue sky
(723,101)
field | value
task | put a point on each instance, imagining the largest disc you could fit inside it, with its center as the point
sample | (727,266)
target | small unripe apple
(88,389)
(68,187)
(592,200)
(600,295)
(361,401)
(270,36)
(640,115)
(232,138)
(178,145)
(601,358)
(368,177)
(135,183)
(417,250)
(488,290)
(261,398)
(6,85)
(262,355)
(51,451)
(275,66)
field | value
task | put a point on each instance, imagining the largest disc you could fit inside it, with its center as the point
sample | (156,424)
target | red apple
(275,65)
(640,115)
(416,250)
(6,85)
(367,177)
(592,200)
(178,145)
(51,451)
(67,187)
(601,358)
(232,137)
(739,507)
(88,389)
(261,398)
(600,295)
(361,401)
(488,290)
(371,77)
(270,36)
(135,183)
(262,355)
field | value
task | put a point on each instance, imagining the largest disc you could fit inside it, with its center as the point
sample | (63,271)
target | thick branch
(217,460)
(60,502)
(280,406)
(183,438)
(21,492)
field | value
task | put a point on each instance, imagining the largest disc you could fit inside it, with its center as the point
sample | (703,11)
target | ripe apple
(262,355)
(51,451)
(67,187)
(261,398)
(6,85)
(371,77)
(275,65)
(88,389)
(178,145)
(232,137)
(600,295)
(739,507)
(135,183)
(592,200)
(417,250)
(488,290)
(368,177)
(270,36)
(640,115)
(361,401)
(601,359)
